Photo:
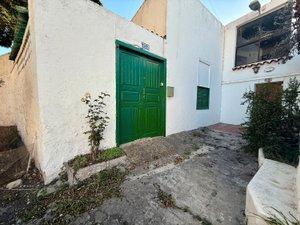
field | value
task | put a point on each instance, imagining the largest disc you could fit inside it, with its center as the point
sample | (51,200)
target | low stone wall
(274,188)
(74,177)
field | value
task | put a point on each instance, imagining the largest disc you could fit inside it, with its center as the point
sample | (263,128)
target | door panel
(140,96)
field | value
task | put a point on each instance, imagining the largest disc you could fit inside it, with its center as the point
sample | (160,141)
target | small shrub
(97,119)
(273,122)
(71,207)
(79,162)
(278,218)
(110,154)
(166,199)
(68,203)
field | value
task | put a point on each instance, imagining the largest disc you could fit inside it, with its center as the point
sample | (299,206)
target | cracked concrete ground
(209,185)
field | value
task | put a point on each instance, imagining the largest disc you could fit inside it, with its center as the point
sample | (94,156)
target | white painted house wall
(76,54)
(236,83)
(71,51)
(193,35)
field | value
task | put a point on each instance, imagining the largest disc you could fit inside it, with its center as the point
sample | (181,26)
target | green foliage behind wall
(274,122)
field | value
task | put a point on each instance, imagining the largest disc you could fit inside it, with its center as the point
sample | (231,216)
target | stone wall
(6,95)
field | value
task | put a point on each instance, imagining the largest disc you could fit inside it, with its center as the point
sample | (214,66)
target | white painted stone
(261,157)
(274,185)
(14,184)
(298,191)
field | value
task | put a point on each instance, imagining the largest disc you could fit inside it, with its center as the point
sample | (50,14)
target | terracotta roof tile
(251,65)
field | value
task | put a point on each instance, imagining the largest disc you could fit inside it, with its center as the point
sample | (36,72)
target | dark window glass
(247,54)
(270,23)
(273,47)
(262,39)
(202,98)
(248,33)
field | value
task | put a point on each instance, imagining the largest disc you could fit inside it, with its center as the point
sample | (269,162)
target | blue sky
(225,10)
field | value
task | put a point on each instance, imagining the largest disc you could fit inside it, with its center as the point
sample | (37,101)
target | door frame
(142,52)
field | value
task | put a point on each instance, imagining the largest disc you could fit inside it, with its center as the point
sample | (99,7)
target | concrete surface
(209,185)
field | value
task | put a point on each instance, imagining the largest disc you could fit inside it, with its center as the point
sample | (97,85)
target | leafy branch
(97,119)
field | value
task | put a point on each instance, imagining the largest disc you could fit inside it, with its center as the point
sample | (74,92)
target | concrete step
(13,155)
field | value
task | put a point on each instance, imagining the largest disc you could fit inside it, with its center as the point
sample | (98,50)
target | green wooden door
(140,95)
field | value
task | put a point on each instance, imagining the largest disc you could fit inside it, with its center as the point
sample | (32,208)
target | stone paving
(208,185)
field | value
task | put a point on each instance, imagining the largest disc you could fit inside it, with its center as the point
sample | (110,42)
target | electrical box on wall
(170,91)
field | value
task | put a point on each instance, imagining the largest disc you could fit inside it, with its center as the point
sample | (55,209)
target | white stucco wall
(193,34)
(6,94)
(236,83)
(76,54)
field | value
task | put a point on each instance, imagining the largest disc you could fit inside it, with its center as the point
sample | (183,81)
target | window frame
(260,38)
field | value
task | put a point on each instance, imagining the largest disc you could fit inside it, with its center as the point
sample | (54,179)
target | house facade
(238,76)
(163,75)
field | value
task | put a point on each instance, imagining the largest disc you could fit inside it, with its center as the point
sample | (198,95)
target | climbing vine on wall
(97,119)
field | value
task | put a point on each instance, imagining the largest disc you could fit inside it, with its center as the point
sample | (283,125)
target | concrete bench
(273,187)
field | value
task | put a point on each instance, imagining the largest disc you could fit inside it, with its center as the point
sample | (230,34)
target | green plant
(278,218)
(71,207)
(110,154)
(8,20)
(166,199)
(273,122)
(97,119)
(76,200)
(289,23)
(79,162)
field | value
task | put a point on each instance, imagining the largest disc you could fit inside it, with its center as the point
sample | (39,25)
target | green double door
(140,95)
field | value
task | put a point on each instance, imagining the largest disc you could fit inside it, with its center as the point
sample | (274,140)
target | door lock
(161,84)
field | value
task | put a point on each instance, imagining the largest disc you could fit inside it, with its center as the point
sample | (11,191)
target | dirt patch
(14,202)
(13,155)
(82,161)
(13,164)
(66,203)
(148,150)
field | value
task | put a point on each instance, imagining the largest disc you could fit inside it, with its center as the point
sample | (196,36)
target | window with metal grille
(202,98)
(263,39)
